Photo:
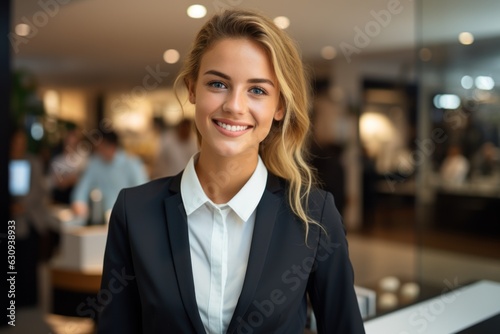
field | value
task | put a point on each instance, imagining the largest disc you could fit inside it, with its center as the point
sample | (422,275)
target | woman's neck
(221,178)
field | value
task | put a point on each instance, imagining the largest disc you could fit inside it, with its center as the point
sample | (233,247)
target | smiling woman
(236,99)
(239,240)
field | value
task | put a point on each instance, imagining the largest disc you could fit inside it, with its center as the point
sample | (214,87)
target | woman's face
(236,96)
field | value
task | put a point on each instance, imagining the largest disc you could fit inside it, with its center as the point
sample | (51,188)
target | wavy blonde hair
(283,150)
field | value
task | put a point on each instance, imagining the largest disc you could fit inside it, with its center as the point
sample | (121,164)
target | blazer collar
(179,240)
(178,235)
(263,229)
(175,183)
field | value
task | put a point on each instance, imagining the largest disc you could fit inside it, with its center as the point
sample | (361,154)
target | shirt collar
(119,157)
(243,203)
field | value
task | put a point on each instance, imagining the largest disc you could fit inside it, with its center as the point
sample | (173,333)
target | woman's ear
(191,86)
(280,113)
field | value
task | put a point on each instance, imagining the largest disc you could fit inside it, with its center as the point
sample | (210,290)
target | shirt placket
(218,270)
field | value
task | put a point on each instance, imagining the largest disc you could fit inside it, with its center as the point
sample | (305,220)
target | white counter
(450,312)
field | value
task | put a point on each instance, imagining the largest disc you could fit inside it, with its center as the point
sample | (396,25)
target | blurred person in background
(109,169)
(177,145)
(486,162)
(67,166)
(455,167)
(29,208)
(326,154)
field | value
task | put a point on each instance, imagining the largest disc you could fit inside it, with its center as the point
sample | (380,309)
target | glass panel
(458,155)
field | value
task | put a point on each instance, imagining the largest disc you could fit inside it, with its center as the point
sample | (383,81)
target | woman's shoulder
(320,200)
(315,194)
(161,187)
(317,199)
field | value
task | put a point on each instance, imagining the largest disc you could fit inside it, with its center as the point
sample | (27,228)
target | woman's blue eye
(217,84)
(257,91)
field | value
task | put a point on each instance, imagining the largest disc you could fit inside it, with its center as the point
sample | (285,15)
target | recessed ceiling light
(466,38)
(196,11)
(22,29)
(171,56)
(328,52)
(282,21)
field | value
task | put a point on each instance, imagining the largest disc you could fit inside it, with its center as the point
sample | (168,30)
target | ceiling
(114,42)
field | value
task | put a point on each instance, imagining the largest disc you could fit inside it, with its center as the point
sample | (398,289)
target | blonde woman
(238,241)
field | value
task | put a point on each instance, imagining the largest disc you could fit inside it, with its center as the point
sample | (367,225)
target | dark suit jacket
(147,284)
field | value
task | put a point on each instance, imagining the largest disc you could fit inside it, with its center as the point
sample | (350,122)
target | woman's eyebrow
(217,73)
(257,80)
(227,77)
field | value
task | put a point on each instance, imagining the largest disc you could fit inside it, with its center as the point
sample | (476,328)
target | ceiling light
(467,82)
(282,22)
(196,11)
(328,52)
(485,83)
(171,56)
(446,101)
(466,38)
(22,29)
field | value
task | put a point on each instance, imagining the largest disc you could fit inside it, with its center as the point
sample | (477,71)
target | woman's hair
(283,150)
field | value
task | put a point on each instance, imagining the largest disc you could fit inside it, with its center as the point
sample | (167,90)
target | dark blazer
(147,284)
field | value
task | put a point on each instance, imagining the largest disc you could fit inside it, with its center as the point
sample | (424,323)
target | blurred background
(406,128)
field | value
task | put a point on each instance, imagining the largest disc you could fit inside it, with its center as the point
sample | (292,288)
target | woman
(236,242)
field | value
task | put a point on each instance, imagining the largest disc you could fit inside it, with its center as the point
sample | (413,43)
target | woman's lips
(232,130)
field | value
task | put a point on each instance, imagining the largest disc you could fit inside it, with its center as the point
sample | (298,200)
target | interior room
(405,132)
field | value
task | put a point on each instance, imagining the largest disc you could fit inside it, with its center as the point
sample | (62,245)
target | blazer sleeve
(121,307)
(331,284)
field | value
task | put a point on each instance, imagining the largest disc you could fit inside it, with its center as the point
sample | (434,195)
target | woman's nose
(235,102)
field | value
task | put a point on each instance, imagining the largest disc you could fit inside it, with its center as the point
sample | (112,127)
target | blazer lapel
(261,238)
(179,242)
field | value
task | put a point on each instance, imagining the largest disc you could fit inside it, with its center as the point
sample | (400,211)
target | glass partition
(457,151)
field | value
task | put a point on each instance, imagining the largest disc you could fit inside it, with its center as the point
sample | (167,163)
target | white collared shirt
(219,238)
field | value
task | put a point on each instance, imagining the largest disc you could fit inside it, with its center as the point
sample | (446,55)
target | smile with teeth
(232,128)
